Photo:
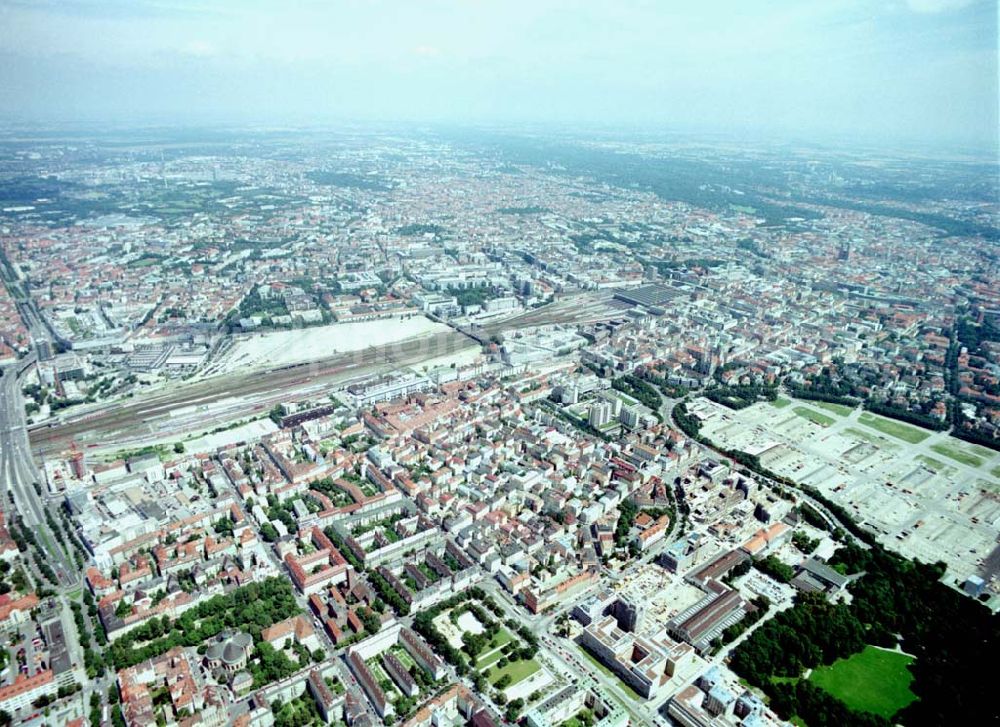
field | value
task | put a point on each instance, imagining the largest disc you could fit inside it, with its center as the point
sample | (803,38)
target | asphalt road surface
(18,474)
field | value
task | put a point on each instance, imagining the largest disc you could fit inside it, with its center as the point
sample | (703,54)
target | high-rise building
(600,414)
(628,614)
(77,465)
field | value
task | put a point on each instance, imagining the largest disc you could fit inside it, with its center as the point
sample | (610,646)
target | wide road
(243,394)
(18,474)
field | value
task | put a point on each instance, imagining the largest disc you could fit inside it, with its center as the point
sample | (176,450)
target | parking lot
(922,503)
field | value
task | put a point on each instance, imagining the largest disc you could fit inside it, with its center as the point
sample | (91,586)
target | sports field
(838,409)
(874,680)
(814,416)
(957,453)
(913,435)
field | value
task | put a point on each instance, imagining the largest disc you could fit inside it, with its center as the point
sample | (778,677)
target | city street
(18,473)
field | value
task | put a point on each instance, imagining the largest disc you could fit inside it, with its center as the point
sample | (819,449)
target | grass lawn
(404,656)
(502,638)
(873,680)
(518,670)
(871,438)
(598,665)
(488,658)
(46,543)
(894,428)
(781,402)
(626,687)
(838,409)
(934,464)
(814,416)
(953,451)
(984,452)
(995,471)
(575,720)
(384,680)
(493,651)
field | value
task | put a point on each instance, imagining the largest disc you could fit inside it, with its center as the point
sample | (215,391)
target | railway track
(278,383)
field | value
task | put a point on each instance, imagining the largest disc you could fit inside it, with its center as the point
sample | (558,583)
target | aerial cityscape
(419,423)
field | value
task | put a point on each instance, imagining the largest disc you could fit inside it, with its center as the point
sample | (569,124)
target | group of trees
(93,662)
(740,569)
(671,391)
(250,608)
(388,594)
(223,527)
(741,396)
(12,578)
(641,390)
(25,538)
(804,543)
(282,510)
(423,624)
(818,708)
(946,631)
(812,516)
(687,423)
(64,691)
(474,644)
(472,296)
(370,620)
(341,546)
(825,389)
(79,552)
(731,633)
(896,599)
(271,665)
(254,304)
(337,495)
(906,415)
(627,511)
(581,424)
(513,709)
(775,568)
(811,633)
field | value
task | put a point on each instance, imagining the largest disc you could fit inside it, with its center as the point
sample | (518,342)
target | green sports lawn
(873,680)
(838,409)
(913,435)
(957,453)
(814,416)
(871,437)
(935,464)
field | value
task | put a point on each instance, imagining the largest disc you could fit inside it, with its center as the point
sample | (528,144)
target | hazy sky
(919,69)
